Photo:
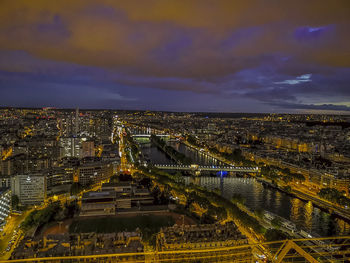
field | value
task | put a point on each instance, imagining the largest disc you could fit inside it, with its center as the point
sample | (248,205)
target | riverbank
(322,204)
(178,157)
(223,160)
(304,196)
(275,199)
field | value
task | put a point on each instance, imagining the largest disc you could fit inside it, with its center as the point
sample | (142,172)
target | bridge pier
(221,184)
(195,173)
(195,180)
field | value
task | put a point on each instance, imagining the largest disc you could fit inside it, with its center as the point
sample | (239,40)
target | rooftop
(119,184)
(97,195)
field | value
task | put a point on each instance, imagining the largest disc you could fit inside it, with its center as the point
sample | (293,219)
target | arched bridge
(194,167)
(149,135)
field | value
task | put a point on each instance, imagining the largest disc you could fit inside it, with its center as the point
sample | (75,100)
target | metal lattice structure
(330,249)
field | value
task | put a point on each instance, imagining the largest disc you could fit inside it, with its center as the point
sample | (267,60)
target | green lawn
(148,225)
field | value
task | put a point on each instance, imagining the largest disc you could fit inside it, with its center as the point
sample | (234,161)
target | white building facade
(30,189)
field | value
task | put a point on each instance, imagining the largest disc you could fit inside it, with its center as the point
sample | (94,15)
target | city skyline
(193,56)
(175,130)
(116,184)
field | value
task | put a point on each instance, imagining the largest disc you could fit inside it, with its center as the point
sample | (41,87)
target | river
(257,196)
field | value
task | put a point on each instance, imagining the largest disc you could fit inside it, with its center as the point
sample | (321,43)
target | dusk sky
(229,56)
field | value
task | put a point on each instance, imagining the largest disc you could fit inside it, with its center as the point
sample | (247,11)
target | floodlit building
(92,173)
(5,204)
(82,244)
(30,189)
(59,176)
(200,237)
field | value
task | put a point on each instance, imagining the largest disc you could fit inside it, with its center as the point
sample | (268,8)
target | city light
(174,131)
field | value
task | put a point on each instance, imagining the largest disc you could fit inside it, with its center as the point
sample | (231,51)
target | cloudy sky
(181,55)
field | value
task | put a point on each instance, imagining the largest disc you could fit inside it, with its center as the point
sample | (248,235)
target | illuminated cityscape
(174,131)
(146,181)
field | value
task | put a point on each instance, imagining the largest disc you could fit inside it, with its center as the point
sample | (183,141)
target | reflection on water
(197,157)
(303,214)
(309,208)
(256,196)
(343,226)
(296,206)
(155,155)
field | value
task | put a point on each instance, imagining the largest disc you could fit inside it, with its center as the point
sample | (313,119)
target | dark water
(155,155)
(303,214)
(197,157)
(256,196)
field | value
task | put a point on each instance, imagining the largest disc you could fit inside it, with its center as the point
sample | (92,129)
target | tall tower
(76,128)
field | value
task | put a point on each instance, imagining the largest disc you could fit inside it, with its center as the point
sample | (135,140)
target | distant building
(98,203)
(5,181)
(201,237)
(123,202)
(87,149)
(5,204)
(59,176)
(30,189)
(123,188)
(70,147)
(83,244)
(76,122)
(92,173)
(7,167)
(212,128)
(338,182)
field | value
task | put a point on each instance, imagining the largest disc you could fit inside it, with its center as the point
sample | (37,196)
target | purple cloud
(56,26)
(308,33)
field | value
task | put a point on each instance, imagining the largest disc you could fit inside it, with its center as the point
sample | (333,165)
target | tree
(41,217)
(114,179)
(75,188)
(334,196)
(287,188)
(125,178)
(192,140)
(275,234)
(238,198)
(276,222)
(179,178)
(71,209)
(259,212)
(146,182)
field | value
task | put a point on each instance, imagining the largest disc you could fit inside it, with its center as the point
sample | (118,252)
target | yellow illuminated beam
(234,250)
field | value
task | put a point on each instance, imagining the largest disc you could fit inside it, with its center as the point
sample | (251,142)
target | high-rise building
(76,126)
(70,147)
(30,189)
(5,204)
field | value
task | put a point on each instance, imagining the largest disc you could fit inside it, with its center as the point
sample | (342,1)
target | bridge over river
(147,135)
(214,168)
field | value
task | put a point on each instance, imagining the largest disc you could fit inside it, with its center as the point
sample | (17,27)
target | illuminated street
(11,232)
(175,131)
